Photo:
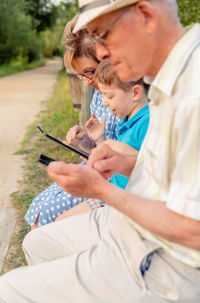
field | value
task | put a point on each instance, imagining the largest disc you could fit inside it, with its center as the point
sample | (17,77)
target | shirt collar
(175,63)
(128,123)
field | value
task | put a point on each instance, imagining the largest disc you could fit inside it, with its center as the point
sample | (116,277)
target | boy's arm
(121,147)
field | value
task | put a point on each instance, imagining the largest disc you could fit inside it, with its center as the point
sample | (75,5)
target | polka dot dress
(49,204)
(53,201)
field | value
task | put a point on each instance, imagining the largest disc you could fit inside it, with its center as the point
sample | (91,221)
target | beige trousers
(95,258)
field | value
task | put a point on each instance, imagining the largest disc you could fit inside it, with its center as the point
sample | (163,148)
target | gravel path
(20,100)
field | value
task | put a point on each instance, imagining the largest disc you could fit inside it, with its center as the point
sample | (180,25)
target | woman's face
(84,65)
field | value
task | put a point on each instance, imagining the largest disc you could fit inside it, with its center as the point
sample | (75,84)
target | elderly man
(146,247)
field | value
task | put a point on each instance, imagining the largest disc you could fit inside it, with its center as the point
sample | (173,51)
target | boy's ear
(137,92)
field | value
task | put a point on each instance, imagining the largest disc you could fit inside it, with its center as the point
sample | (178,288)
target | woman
(79,58)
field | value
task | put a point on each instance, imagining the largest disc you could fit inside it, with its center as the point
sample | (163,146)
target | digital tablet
(78,151)
(45,160)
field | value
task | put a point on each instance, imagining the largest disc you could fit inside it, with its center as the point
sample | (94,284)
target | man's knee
(3,290)
(6,289)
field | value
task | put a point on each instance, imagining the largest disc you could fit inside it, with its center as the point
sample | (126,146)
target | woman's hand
(75,135)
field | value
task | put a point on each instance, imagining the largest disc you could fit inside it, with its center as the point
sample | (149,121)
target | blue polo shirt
(132,132)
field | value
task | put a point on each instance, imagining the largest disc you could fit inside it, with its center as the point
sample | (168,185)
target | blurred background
(31,30)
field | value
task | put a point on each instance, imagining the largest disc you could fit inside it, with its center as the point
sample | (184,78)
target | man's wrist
(103,190)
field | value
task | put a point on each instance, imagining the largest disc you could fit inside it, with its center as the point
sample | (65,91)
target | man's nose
(102,51)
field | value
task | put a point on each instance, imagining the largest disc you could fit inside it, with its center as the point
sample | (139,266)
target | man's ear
(148,13)
(137,92)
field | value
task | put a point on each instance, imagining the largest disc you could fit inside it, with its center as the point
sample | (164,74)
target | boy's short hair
(79,44)
(105,74)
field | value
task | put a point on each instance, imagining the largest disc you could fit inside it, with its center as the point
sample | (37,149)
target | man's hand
(109,162)
(95,129)
(80,181)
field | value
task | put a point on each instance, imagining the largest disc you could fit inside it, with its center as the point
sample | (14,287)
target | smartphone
(45,160)
(78,151)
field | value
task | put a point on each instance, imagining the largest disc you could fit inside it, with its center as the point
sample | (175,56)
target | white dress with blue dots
(53,201)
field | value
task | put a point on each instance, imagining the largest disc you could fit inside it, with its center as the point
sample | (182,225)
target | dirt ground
(21,97)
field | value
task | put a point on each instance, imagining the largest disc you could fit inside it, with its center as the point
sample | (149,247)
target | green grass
(56,119)
(16,67)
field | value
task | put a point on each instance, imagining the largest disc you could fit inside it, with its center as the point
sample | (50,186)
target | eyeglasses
(100,38)
(88,75)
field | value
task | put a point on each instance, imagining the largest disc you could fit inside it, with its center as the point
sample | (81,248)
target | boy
(134,110)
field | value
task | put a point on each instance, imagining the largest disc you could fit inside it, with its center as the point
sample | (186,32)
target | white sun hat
(92,9)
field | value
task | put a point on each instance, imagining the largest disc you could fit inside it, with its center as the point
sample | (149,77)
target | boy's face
(118,101)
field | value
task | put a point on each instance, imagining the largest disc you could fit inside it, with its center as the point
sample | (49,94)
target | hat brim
(89,15)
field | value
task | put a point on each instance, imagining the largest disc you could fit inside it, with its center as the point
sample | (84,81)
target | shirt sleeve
(184,191)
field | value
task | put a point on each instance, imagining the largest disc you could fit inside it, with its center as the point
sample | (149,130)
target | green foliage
(43,13)
(16,35)
(29,28)
(70,8)
(53,37)
(189,11)
(34,47)
(9,41)
(52,41)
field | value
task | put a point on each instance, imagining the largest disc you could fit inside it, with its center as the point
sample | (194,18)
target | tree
(71,8)
(43,13)
(16,32)
(53,37)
